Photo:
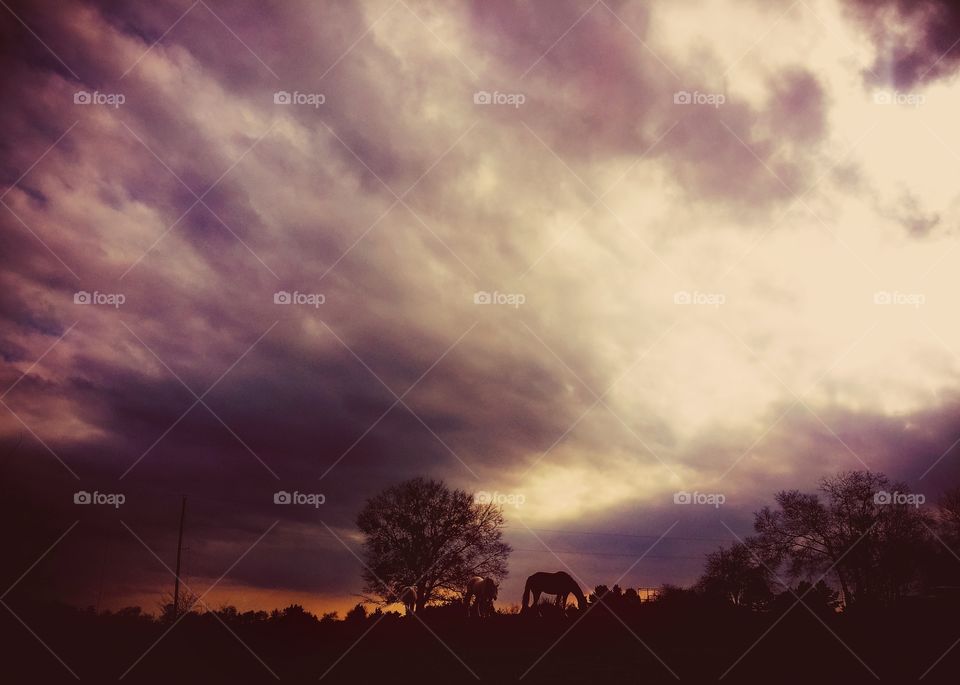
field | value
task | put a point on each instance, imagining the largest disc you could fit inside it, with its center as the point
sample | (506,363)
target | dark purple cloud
(916,40)
(303,198)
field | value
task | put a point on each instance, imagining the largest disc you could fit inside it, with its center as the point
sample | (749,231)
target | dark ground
(697,643)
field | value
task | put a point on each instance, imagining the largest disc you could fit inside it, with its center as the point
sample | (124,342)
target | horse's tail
(526,594)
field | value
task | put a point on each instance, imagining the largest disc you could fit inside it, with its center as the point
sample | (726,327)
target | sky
(627,268)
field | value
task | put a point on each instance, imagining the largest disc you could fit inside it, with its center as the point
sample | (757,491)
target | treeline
(861,540)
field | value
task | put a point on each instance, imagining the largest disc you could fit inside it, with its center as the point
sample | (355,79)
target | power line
(607,554)
(191,495)
(641,536)
(176,585)
(221,500)
(626,535)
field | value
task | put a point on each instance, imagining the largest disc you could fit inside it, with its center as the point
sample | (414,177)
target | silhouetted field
(696,641)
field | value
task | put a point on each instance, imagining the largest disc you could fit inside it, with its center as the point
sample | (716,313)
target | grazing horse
(484,590)
(559,584)
(408,596)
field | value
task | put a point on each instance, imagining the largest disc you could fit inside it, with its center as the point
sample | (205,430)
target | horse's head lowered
(491,588)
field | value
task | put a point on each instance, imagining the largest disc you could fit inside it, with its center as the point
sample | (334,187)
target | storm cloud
(582,253)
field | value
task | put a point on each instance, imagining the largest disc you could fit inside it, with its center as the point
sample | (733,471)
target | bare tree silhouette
(863,531)
(423,534)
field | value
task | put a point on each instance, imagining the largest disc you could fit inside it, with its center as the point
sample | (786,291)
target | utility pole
(176,585)
(103,564)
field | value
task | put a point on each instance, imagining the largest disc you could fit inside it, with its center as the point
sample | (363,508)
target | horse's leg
(536,600)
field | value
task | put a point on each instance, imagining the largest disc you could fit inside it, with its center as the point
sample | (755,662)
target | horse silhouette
(408,596)
(559,584)
(484,591)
